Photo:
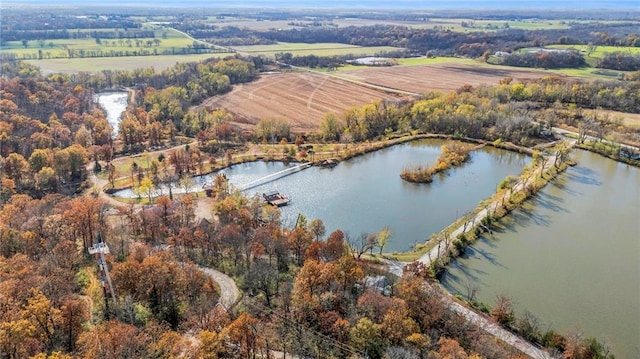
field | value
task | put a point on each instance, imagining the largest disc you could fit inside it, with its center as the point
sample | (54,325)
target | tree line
(507,111)
(545,59)
(620,61)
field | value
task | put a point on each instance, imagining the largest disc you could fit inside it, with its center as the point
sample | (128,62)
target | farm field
(165,42)
(303,98)
(98,64)
(318,49)
(454,24)
(438,76)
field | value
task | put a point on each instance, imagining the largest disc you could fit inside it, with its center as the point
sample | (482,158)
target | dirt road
(229,293)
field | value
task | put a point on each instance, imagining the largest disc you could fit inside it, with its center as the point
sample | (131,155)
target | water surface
(571,255)
(114,104)
(366,193)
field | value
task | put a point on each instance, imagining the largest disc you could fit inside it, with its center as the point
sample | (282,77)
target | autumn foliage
(453,154)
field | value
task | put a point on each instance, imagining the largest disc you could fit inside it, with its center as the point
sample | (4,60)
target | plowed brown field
(301,98)
(439,77)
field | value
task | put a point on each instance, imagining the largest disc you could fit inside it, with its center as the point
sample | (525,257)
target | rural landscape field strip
(440,77)
(302,98)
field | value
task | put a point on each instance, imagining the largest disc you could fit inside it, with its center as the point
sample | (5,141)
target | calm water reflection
(571,255)
(366,193)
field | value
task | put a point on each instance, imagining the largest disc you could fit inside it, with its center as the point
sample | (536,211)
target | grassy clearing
(494,25)
(490,25)
(319,49)
(588,72)
(628,119)
(98,64)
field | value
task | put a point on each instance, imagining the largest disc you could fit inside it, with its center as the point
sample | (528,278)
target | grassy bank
(610,150)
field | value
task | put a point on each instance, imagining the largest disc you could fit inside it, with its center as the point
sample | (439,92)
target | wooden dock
(275,199)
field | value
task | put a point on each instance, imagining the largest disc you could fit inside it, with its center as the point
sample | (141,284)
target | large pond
(114,104)
(571,255)
(366,193)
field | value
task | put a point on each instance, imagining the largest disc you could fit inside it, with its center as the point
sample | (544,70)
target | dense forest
(305,291)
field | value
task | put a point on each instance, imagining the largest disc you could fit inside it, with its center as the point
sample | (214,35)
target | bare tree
(359,245)
(585,127)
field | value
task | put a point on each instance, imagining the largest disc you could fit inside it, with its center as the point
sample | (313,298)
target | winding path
(495,329)
(229,293)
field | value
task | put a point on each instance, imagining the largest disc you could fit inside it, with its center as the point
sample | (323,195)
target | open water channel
(114,104)
(571,255)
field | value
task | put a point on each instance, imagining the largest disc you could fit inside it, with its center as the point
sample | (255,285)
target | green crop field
(319,49)
(98,64)
(167,41)
(588,72)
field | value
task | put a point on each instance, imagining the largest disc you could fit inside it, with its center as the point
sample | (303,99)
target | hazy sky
(348,3)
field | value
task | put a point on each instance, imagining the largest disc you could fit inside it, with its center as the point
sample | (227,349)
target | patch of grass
(419,250)
(98,64)
(587,72)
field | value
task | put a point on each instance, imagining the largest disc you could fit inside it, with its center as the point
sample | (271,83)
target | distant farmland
(126,63)
(439,77)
